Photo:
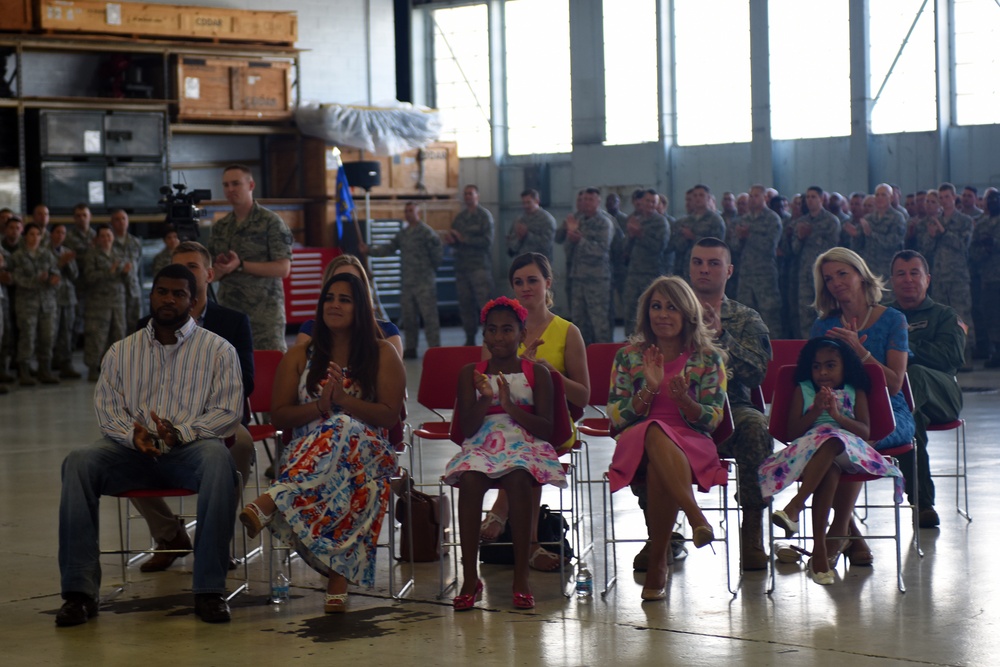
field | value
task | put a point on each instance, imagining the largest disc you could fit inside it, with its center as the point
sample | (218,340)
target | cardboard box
(16,15)
(228,89)
(169,21)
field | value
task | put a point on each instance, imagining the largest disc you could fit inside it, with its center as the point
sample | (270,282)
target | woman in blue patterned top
(847,300)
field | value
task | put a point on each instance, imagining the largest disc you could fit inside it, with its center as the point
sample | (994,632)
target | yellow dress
(553,350)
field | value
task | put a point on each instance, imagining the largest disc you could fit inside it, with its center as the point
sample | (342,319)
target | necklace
(864,322)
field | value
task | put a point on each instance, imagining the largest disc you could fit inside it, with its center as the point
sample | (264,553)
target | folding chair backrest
(907,391)
(265,366)
(882,422)
(600,359)
(439,375)
(725,427)
(783,353)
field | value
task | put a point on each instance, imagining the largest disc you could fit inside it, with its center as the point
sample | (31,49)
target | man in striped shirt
(166,398)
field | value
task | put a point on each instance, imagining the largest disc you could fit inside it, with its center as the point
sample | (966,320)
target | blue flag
(345,203)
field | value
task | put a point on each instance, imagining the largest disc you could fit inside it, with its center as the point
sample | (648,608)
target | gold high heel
(702,535)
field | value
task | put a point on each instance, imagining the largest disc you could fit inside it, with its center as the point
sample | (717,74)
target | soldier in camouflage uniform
(420,252)
(589,234)
(166,256)
(5,277)
(879,236)
(131,249)
(471,238)
(951,236)
(80,239)
(37,277)
(62,352)
(985,251)
(648,234)
(758,234)
(534,230)
(814,233)
(700,223)
(619,270)
(253,252)
(104,305)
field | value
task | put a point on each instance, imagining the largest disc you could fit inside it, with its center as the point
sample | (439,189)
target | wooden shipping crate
(170,21)
(400,173)
(16,15)
(227,89)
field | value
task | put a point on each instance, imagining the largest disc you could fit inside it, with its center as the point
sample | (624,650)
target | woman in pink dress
(668,394)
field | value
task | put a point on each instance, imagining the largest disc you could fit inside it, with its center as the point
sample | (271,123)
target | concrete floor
(948,616)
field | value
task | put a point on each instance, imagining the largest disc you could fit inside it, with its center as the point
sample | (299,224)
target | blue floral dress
(783,468)
(332,491)
(501,445)
(888,332)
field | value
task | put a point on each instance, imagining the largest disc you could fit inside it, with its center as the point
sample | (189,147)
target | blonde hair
(695,336)
(824,303)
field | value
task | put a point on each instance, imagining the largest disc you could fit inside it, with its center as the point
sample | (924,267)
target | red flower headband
(513,304)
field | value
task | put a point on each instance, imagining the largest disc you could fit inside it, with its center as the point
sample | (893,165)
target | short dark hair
(947,186)
(815,188)
(592,191)
(178,272)
(531,192)
(714,242)
(701,186)
(973,188)
(30,226)
(80,207)
(236,166)
(472,187)
(906,256)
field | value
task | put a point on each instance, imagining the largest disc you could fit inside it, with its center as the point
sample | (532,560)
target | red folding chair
(600,360)
(882,424)
(961,464)
(783,353)
(259,403)
(437,392)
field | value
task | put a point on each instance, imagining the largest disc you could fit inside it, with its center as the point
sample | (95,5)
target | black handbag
(552,527)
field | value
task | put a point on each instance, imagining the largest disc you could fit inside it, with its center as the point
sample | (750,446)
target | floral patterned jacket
(707,387)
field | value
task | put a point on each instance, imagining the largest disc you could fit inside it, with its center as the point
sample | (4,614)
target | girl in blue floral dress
(828,417)
(505,414)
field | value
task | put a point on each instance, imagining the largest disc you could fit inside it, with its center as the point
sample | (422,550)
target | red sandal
(524,600)
(468,601)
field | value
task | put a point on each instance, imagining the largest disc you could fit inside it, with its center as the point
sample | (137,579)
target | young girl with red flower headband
(505,415)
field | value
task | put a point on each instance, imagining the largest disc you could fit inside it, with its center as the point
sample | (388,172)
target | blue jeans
(107,468)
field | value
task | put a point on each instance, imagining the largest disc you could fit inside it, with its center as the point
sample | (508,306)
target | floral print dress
(332,491)
(501,445)
(783,468)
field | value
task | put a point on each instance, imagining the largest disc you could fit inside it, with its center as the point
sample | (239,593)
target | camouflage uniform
(735,256)
(788,282)
(981,311)
(80,242)
(758,285)
(888,232)
(420,252)
(131,249)
(568,251)
(35,309)
(104,310)
(62,352)
(707,224)
(951,270)
(262,237)
(590,277)
(619,269)
(163,258)
(923,242)
(645,257)
(541,232)
(5,313)
(825,234)
(745,338)
(985,251)
(473,266)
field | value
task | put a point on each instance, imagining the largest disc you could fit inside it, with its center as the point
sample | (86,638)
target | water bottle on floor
(584,581)
(279,589)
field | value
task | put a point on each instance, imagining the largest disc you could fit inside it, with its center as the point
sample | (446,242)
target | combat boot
(5,377)
(24,375)
(752,536)
(45,375)
(67,372)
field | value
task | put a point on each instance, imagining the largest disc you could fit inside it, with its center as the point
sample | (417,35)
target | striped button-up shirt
(196,384)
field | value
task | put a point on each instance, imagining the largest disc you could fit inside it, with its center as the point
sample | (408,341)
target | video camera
(182,209)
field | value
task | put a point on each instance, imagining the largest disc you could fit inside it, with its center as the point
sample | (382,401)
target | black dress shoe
(76,610)
(211,608)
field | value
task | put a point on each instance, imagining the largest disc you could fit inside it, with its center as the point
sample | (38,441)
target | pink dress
(628,463)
